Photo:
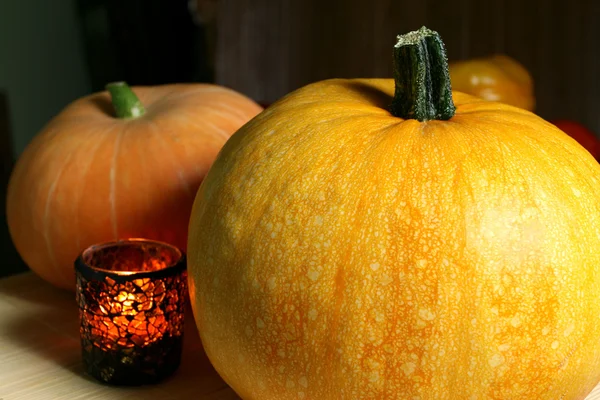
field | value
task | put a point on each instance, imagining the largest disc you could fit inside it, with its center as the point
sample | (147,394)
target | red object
(583,135)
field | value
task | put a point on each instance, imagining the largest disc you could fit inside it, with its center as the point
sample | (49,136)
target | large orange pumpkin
(446,249)
(90,177)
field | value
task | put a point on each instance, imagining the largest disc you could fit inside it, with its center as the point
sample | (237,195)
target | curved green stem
(422,80)
(124,101)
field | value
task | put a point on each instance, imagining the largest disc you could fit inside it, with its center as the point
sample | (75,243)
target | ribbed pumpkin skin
(89,177)
(338,252)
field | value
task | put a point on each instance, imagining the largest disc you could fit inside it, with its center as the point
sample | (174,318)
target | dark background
(52,52)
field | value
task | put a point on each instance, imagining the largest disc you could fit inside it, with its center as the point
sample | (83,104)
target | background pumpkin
(495,78)
(89,177)
(340,251)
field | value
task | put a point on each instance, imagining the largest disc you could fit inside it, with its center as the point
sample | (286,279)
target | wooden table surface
(40,355)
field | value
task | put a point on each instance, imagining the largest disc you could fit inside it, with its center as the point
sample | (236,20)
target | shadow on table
(42,321)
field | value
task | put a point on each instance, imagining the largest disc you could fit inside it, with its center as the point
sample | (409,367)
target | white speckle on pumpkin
(374,376)
(375,266)
(260,323)
(421,263)
(408,368)
(515,321)
(546,330)
(379,316)
(569,330)
(319,220)
(496,360)
(554,345)
(385,280)
(303,382)
(504,347)
(271,283)
(313,275)
(426,314)
(312,314)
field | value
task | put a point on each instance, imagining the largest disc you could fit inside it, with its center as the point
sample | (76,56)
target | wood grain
(40,353)
(267,48)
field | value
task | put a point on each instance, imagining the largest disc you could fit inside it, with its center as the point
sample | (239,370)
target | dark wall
(10,262)
(268,47)
(143,42)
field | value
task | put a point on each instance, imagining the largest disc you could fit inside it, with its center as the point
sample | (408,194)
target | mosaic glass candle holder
(131,295)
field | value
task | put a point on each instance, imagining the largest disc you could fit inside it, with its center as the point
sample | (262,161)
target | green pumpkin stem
(124,101)
(421,76)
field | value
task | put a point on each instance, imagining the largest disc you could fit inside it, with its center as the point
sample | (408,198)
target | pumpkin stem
(124,101)
(421,77)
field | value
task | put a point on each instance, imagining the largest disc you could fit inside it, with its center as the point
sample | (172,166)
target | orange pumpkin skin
(89,177)
(338,252)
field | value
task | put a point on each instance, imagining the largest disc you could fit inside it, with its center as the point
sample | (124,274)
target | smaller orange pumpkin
(494,78)
(89,177)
